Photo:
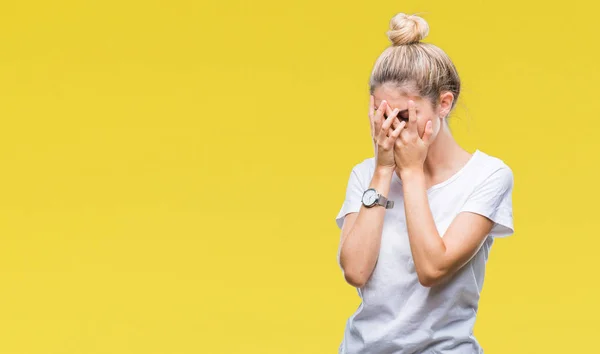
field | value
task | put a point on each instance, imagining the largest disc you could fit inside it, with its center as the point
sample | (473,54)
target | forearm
(360,248)
(427,247)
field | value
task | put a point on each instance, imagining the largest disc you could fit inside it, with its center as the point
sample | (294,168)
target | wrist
(382,178)
(384,171)
(414,173)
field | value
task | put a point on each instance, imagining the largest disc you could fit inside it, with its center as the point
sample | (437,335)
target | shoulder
(492,169)
(363,170)
(364,167)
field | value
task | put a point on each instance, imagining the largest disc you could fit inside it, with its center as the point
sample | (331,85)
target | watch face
(370,197)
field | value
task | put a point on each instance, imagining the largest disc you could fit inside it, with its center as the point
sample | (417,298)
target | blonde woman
(419,218)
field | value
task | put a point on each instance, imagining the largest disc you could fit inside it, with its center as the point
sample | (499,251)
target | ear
(446,100)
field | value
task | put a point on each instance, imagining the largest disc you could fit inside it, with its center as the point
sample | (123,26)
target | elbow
(355,273)
(427,281)
(356,280)
(430,277)
(356,277)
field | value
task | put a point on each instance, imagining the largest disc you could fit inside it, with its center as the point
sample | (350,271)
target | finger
(390,119)
(396,132)
(372,128)
(378,118)
(396,122)
(390,112)
(386,126)
(372,125)
(399,143)
(428,132)
(405,136)
(412,117)
(371,113)
(378,115)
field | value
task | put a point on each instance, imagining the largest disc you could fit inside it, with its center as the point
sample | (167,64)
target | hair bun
(407,29)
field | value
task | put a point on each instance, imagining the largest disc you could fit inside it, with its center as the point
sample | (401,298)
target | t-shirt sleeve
(353,199)
(493,199)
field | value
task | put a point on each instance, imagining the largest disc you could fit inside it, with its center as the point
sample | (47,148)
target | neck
(444,155)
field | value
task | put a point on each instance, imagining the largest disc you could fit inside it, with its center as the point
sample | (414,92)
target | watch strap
(384,202)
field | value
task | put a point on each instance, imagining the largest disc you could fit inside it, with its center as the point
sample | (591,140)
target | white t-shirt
(397,314)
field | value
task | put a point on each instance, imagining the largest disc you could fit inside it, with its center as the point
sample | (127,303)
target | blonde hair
(412,64)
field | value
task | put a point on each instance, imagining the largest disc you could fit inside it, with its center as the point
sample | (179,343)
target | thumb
(428,132)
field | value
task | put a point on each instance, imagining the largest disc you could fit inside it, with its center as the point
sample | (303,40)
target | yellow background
(171,170)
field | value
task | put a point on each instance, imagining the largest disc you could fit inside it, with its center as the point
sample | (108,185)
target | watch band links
(384,202)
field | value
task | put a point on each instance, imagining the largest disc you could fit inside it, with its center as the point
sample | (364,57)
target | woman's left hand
(410,150)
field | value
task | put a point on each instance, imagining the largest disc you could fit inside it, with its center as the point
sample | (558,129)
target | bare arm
(361,232)
(435,257)
(361,235)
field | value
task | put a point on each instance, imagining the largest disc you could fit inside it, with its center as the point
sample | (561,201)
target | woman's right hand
(383,136)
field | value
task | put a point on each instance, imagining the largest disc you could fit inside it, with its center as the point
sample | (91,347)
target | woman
(420,217)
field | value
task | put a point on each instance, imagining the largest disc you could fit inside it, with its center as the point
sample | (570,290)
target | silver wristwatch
(371,198)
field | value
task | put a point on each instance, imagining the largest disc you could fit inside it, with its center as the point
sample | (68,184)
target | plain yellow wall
(171,170)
